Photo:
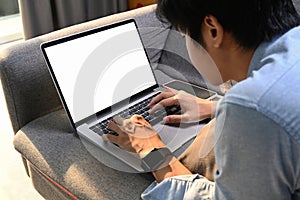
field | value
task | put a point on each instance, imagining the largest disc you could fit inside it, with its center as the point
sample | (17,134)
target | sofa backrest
(27,85)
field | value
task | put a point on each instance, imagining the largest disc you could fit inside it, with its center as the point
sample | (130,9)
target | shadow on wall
(8,7)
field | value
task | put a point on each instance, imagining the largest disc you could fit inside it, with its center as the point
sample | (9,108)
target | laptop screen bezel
(107,110)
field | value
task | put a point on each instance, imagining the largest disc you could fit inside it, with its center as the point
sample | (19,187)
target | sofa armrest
(27,86)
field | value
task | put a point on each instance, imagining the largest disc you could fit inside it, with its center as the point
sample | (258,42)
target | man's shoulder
(273,89)
(274,93)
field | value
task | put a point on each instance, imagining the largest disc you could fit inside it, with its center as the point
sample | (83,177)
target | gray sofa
(55,159)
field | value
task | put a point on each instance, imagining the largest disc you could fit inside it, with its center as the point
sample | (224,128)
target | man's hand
(194,109)
(134,135)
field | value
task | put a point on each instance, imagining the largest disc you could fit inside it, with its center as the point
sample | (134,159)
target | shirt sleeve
(188,187)
(256,158)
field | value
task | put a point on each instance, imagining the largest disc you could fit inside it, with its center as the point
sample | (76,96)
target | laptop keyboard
(139,109)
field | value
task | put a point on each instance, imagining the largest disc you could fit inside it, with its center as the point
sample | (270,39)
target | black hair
(250,22)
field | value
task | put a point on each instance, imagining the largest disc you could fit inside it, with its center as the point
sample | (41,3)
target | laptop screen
(99,68)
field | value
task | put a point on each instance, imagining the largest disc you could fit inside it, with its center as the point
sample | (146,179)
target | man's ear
(213,31)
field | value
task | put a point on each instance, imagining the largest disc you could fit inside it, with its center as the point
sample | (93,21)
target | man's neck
(232,60)
(236,64)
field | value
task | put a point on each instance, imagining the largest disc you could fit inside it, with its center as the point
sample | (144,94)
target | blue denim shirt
(257,133)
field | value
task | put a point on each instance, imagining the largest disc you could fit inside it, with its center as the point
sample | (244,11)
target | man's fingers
(116,139)
(112,125)
(170,89)
(112,138)
(163,103)
(118,120)
(164,95)
(129,126)
(172,119)
(139,120)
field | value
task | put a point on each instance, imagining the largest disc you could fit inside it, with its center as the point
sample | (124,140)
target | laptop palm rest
(173,137)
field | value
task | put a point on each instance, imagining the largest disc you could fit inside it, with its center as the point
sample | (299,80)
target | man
(257,128)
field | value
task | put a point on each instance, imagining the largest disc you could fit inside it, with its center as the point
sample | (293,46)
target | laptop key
(97,130)
(139,109)
(112,133)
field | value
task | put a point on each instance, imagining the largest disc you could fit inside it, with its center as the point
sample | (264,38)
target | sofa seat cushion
(50,144)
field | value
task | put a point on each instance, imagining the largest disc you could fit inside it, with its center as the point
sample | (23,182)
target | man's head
(249,22)
(229,31)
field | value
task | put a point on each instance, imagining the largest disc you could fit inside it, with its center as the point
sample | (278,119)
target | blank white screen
(99,70)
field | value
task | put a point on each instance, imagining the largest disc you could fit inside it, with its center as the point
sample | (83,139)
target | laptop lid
(96,70)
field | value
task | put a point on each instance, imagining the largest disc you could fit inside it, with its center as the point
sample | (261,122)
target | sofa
(55,159)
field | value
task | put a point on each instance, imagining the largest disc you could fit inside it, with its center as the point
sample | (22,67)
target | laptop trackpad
(175,137)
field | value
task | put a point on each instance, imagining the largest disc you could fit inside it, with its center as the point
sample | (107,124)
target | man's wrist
(158,145)
(174,168)
(213,108)
(157,158)
(208,109)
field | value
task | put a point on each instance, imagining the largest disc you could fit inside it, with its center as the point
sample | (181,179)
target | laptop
(104,72)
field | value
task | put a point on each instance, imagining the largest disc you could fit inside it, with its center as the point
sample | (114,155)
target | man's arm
(137,136)
(254,156)
(176,181)
(175,168)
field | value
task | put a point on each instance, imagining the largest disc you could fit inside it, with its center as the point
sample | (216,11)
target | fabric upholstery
(51,146)
(27,84)
(53,155)
(46,140)
(176,64)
